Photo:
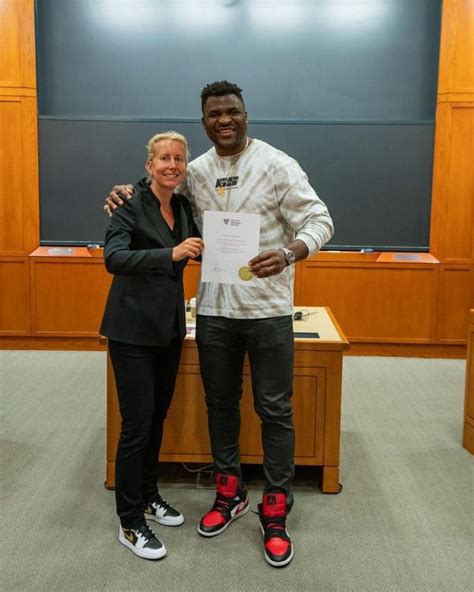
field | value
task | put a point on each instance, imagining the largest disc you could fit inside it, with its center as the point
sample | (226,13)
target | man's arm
(116,197)
(304,212)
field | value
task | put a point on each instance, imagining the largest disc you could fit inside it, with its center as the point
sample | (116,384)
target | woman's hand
(191,247)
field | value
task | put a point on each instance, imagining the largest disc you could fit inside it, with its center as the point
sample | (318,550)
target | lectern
(319,347)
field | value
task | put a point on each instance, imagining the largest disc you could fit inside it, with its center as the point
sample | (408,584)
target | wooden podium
(316,405)
(468,432)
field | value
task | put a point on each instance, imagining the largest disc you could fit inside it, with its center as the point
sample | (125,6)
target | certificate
(231,239)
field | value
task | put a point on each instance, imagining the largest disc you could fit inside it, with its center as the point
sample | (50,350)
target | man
(240,174)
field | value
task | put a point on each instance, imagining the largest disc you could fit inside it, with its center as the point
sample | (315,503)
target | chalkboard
(346,87)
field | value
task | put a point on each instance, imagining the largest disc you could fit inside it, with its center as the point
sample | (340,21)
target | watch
(289,255)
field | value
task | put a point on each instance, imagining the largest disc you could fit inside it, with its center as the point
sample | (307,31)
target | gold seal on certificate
(245,274)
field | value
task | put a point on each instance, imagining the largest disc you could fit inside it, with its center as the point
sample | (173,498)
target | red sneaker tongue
(227,484)
(274,505)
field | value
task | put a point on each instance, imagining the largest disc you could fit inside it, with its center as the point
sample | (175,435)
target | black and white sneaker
(142,542)
(161,511)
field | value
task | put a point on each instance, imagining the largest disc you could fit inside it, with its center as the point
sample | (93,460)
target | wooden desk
(316,405)
(468,432)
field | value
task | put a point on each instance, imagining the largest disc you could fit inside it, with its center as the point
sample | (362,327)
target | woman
(147,245)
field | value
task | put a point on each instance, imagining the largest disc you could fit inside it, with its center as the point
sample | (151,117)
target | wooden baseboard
(52,343)
(406,350)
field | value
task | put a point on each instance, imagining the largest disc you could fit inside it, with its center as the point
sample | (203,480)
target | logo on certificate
(245,274)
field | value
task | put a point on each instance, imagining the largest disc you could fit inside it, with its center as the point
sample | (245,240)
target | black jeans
(145,377)
(222,344)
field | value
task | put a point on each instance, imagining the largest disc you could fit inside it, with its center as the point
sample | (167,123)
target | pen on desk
(366,250)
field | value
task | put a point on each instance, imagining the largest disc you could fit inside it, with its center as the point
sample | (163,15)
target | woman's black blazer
(145,305)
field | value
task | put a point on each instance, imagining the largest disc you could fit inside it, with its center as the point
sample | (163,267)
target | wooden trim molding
(456,97)
(15,91)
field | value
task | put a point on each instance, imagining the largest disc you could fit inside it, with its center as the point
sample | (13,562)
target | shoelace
(145,532)
(221,503)
(163,503)
(275,527)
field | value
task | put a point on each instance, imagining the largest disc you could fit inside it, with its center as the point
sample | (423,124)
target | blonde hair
(153,141)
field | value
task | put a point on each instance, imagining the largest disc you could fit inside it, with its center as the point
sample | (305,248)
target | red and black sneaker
(277,543)
(230,503)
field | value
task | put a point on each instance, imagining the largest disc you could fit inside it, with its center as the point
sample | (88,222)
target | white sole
(143,553)
(279,563)
(165,521)
(212,534)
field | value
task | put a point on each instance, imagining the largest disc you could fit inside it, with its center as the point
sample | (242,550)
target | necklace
(224,181)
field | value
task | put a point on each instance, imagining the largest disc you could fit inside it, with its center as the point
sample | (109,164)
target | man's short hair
(219,89)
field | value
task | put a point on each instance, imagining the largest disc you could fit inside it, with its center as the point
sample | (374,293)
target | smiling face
(167,167)
(225,121)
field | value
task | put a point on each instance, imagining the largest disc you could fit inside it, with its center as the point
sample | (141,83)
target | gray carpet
(404,521)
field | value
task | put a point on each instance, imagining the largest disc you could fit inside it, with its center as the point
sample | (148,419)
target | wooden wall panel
(376,303)
(452,218)
(10,44)
(18,163)
(18,176)
(14,297)
(372,302)
(459,242)
(17,44)
(11,179)
(68,296)
(456,297)
(452,213)
(452,228)
(456,67)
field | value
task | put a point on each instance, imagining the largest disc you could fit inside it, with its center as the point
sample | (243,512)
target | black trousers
(222,344)
(145,377)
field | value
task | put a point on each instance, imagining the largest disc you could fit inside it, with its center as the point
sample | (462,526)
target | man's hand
(274,262)
(191,247)
(268,263)
(116,197)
